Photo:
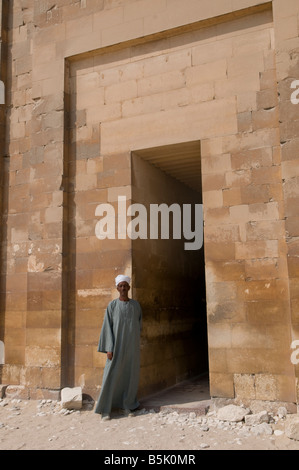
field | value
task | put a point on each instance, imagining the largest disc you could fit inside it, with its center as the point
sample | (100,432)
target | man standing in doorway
(120,340)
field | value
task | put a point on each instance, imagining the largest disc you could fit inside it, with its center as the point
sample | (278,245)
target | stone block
(50,378)
(42,357)
(236,86)
(205,73)
(228,311)
(292,428)
(238,178)
(219,336)
(290,150)
(123,32)
(121,92)
(253,194)
(243,64)
(266,290)
(290,169)
(252,158)
(202,92)
(220,251)
(290,209)
(262,429)
(232,413)
(161,83)
(216,164)
(213,181)
(107,18)
(213,51)
(289,129)
(82,26)
(213,198)
(232,196)
(165,63)
(44,394)
(16,391)
(71,398)
(143,9)
(252,42)
(265,118)
(42,337)
(257,249)
(267,99)
(213,118)
(266,269)
(245,121)
(268,81)
(263,212)
(266,387)
(244,386)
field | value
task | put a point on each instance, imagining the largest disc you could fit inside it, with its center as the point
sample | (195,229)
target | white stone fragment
(71,398)
(232,413)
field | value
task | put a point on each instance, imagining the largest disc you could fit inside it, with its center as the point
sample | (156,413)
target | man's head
(123,285)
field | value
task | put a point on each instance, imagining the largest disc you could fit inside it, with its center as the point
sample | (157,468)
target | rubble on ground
(232,417)
(240,419)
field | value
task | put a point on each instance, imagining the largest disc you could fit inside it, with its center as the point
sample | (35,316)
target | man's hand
(110,355)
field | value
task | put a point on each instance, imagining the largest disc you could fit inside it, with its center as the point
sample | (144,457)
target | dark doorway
(169,280)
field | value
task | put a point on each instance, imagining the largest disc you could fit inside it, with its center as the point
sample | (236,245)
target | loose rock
(232,413)
(71,398)
(292,429)
(263,428)
(186,428)
(204,445)
(259,418)
(282,412)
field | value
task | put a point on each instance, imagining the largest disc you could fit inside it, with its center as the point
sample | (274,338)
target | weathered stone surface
(16,391)
(71,398)
(149,74)
(263,428)
(232,413)
(256,419)
(292,428)
(282,412)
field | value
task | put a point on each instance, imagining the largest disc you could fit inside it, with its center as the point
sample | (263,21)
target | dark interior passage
(169,280)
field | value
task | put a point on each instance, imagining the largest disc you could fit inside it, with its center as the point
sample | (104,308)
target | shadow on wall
(2,355)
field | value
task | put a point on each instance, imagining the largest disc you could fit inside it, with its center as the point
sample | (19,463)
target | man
(120,340)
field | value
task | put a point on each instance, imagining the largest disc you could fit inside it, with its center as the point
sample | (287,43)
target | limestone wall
(89,82)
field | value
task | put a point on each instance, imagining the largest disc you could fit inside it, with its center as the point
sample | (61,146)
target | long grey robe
(120,334)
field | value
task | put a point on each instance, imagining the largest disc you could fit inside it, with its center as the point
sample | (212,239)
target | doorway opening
(168,279)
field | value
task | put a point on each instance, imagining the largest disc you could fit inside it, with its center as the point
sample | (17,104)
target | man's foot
(105,417)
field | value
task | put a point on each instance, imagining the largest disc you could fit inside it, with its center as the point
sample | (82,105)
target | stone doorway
(168,279)
(153,102)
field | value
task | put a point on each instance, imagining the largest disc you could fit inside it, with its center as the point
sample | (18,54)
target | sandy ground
(42,425)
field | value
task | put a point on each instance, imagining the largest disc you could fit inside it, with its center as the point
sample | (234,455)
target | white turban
(122,278)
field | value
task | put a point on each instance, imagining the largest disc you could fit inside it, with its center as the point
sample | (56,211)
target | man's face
(123,288)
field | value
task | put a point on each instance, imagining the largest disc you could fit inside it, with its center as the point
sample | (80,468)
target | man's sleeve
(106,342)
